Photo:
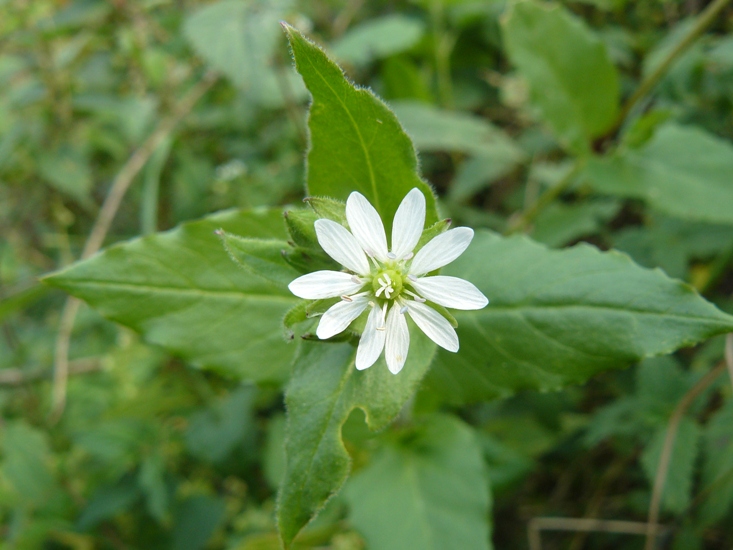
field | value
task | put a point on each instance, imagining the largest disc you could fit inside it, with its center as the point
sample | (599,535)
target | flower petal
(450,292)
(398,340)
(340,315)
(434,325)
(341,245)
(441,250)
(324,284)
(372,340)
(409,222)
(366,225)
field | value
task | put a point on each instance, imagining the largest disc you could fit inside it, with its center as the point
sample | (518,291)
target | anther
(409,256)
(346,298)
(403,310)
(356,279)
(412,277)
(391,255)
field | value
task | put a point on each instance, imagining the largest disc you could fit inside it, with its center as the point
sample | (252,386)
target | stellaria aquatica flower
(391,282)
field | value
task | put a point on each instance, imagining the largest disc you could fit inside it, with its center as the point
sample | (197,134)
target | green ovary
(394,281)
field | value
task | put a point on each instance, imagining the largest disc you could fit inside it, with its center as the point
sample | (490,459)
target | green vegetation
(160,386)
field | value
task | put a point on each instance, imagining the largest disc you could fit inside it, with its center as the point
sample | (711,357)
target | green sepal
(433,231)
(301,226)
(261,257)
(295,315)
(307,260)
(328,208)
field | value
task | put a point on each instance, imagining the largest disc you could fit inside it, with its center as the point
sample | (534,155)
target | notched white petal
(372,340)
(450,292)
(409,221)
(340,315)
(434,325)
(324,284)
(441,250)
(398,340)
(366,225)
(341,245)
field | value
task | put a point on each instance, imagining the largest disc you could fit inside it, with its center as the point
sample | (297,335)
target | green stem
(705,19)
(151,188)
(525,218)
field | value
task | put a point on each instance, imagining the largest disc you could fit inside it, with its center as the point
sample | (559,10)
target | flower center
(387,283)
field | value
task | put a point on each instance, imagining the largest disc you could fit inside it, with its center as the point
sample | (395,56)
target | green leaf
(570,74)
(195,521)
(214,432)
(107,502)
(717,471)
(323,391)
(683,171)
(180,290)
(378,37)
(68,171)
(356,142)
(559,223)
(152,482)
(239,39)
(559,317)
(678,485)
(25,465)
(437,491)
(261,257)
(433,129)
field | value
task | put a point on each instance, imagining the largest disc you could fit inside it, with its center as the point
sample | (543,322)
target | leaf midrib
(218,293)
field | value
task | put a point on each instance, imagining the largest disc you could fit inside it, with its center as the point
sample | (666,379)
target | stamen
(403,310)
(346,298)
(415,296)
(391,255)
(356,279)
(409,256)
(412,277)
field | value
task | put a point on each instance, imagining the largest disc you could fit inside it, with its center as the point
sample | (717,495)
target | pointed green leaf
(558,317)
(437,491)
(432,129)
(683,171)
(356,142)
(323,391)
(180,290)
(570,74)
(378,37)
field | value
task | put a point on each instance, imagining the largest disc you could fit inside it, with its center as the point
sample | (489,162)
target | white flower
(393,285)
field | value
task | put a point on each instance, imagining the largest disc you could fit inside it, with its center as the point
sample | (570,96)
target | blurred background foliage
(153,453)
